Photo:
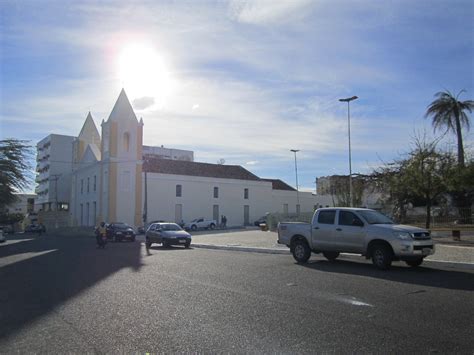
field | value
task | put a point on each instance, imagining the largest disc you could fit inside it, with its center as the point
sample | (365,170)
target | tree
(15,169)
(447,111)
(424,175)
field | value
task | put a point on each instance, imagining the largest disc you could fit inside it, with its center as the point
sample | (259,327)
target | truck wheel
(212,226)
(301,251)
(414,263)
(381,256)
(331,255)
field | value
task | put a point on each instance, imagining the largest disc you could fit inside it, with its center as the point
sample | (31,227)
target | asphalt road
(63,295)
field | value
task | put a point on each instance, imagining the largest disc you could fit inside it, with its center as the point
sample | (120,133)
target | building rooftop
(188,168)
(278,184)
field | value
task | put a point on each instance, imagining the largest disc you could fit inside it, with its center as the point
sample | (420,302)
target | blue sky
(245,81)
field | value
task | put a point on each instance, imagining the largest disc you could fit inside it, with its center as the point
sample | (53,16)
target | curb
(451,264)
(245,249)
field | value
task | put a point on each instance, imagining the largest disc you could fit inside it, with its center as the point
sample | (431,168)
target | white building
(116,178)
(54,167)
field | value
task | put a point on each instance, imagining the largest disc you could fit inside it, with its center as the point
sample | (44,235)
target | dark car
(261,220)
(120,231)
(35,228)
(167,234)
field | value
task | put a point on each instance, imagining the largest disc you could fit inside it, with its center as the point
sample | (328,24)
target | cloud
(252,162)
(195,107)
(143,102)
(268,11)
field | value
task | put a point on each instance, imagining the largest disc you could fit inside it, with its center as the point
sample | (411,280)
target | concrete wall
(307,200)
(197,199)
(88,198)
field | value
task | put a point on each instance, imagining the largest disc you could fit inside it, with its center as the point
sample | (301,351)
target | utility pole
(55,178)
(298,207)
(348,100)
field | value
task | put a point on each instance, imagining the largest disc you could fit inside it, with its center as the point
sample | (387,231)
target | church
(115,178)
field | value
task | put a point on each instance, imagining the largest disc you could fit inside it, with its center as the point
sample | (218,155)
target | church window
(246,194)
(179,191)
(88,184)
(126,141)
(216,192)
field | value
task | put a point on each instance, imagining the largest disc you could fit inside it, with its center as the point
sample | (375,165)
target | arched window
(126,141)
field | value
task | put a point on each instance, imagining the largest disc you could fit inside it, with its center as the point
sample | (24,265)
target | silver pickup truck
(356,230)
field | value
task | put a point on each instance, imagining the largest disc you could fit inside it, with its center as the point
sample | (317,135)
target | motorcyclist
(101,235)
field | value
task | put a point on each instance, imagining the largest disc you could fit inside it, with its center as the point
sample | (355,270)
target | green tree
(15,169)
(424,175)
(450,113)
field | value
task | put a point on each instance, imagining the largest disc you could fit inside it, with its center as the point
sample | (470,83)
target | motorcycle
(101,239)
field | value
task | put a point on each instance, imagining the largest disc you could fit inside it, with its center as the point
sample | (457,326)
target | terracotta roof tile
(277,184)
(188,168)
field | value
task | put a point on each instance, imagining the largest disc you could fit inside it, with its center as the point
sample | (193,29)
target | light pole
(297,190)
(348,100)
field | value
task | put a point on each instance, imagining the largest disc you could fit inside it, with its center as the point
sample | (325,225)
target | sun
(144,74)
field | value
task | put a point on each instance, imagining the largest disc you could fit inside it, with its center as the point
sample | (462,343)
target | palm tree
(448,112)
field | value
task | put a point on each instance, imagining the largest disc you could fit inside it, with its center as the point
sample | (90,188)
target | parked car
(201,223)
(35,228)
(356,230)
(118,232)
(261,220)
(167,234)
(2,236)
(7,229)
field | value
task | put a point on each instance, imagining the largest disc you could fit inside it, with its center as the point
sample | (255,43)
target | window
(327,217)
(87,213)
(126,141)
(246,194)
(88,184)
(178,190)
(216,192)
(94,213)
(82,186)
(95,183)
(82,215)
(346,218)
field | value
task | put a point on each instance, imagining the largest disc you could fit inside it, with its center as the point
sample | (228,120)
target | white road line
(15,258)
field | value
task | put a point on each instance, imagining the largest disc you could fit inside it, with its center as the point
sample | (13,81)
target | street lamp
(297,191)
(348,100)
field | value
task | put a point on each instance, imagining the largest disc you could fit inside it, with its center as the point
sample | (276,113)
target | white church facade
(117,179)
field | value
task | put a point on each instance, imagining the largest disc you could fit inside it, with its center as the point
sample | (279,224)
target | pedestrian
(101,236)
(224,222)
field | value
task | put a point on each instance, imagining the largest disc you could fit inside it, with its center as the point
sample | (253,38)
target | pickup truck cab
(356,230)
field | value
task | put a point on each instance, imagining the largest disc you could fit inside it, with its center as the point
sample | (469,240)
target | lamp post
(297,190)
(348,100)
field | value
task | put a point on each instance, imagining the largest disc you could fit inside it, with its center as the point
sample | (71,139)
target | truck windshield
(374,217)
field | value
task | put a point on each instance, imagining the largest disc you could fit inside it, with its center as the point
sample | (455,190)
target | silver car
(167,234)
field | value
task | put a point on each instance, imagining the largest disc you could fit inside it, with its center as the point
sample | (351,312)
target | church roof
(188,168)
(122,109)
(89,128)
(278,184)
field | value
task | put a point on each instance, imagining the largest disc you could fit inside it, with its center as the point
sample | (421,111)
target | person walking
(101,235)
(224,222)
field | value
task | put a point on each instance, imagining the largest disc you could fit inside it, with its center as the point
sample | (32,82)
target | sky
(243,81)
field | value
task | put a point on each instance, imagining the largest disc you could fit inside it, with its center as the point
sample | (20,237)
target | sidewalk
(448,252)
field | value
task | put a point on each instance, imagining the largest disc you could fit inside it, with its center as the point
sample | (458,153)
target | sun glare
(144,74)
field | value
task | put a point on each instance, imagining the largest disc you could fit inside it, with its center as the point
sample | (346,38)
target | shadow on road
(452,279)
(37,274)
